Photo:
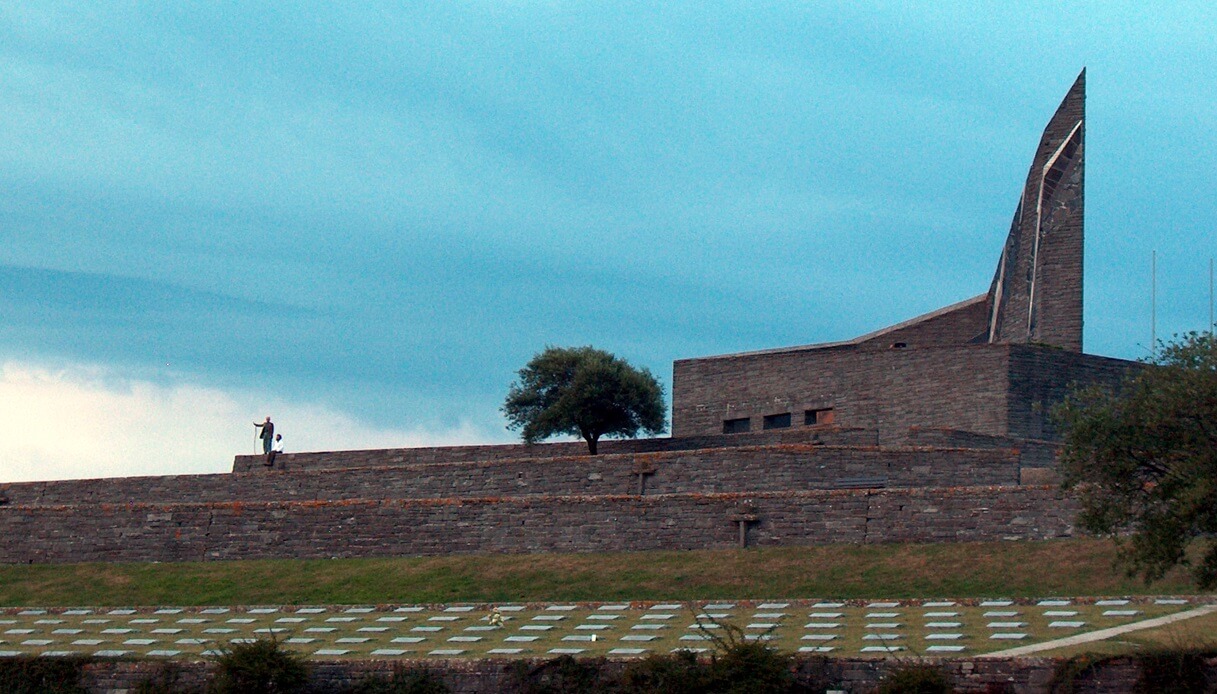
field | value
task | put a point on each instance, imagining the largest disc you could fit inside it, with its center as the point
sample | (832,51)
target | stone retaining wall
(371,528)
(792,467)
(1014,675)
(382,457)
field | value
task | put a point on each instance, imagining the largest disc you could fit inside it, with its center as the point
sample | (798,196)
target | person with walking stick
(267,435)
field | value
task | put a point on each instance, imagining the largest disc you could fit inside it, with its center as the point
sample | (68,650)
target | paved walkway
(1102,634)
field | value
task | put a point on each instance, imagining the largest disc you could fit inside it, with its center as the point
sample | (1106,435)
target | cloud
(85,421)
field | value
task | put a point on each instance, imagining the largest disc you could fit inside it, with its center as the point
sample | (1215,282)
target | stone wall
(1042,377)
(999,390)
(746,469)
(405,527)
(382,457)
(1014,675)
(887,391)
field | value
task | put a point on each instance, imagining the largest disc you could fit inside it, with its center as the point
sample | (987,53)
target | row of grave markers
(146,633)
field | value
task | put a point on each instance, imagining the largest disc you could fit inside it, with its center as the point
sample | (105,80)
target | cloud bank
(86,421)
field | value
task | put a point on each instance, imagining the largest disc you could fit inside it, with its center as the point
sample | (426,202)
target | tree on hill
(1143,460)
(584,392)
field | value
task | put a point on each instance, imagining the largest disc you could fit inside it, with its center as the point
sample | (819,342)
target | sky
(363,219)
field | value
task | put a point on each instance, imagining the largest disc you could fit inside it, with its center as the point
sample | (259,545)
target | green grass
(1010,569)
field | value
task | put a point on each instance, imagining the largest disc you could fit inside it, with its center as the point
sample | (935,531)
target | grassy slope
(1011,569)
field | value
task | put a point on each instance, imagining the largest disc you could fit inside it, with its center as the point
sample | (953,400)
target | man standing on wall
(267,435)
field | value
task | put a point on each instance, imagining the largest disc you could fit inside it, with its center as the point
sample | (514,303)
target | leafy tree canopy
(584,392)
(1144,460)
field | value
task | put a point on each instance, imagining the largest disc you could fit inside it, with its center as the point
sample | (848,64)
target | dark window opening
(737,426)
(776,421)
(814,417)
(899,345)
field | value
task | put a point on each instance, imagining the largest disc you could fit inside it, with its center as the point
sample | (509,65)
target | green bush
(165,680)
(1175,671)
(750,667)
(675,673)
(562,675)
(34,675)
(263,666)
(403,681)
(915,679)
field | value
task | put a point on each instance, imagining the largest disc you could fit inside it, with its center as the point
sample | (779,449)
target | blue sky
(363,220)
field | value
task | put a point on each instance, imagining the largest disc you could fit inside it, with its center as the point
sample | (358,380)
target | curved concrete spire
(1036,295)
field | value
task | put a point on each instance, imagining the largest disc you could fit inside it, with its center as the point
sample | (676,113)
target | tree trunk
(591,443)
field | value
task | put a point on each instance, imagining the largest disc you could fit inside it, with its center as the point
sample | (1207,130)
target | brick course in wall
(382,457)
(486,676)
(752,468)
(370,528)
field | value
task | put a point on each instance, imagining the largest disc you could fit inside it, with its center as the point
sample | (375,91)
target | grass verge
(1009,569)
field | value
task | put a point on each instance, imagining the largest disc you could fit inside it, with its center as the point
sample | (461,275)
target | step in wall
(788,467)
(372,528)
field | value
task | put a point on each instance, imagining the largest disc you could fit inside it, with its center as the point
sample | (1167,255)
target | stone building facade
(994,364)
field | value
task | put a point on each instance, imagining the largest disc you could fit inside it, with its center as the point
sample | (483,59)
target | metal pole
(1153,303)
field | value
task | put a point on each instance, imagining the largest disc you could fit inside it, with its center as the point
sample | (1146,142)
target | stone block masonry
(330,460)
(412,527)
(485,676)
(745,469)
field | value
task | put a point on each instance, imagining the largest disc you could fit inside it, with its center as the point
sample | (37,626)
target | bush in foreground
(262,666)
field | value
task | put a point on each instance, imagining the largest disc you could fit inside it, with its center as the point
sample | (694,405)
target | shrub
(562,675)
(915,679)
(675,673)
(1181,671)
(33,675)
(167,679)
(750,667)
(403,681)
(263,666)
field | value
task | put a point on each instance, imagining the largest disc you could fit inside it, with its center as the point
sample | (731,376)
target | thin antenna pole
(1210,299)
(1153,303)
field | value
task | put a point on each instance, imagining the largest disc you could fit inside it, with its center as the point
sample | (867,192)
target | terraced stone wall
(329,460)
(755,468)
(367,528)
